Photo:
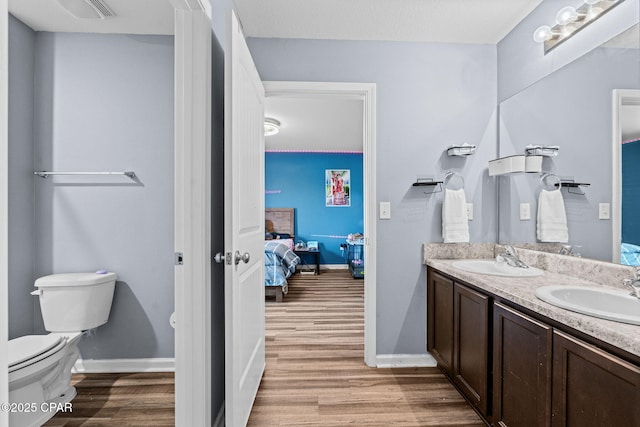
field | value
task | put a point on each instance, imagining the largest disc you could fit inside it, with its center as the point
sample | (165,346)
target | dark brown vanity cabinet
(440,320)
(470,345)
(457,330)
(521,369)
(592,388)
(518,370)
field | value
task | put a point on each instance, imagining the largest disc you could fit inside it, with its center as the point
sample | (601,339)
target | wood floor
(114,400)
(315,374)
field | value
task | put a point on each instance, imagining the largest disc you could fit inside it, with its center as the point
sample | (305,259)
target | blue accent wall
(296,180)
(630,199)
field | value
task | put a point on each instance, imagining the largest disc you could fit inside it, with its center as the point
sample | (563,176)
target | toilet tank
(74,302)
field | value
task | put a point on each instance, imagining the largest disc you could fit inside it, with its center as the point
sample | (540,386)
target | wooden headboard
(280,219)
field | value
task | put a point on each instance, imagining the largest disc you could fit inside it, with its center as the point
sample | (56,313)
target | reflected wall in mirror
(573,109)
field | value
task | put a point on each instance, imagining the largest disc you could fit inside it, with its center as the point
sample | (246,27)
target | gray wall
(105,102)
(102,103)
(21,200)
(428,97)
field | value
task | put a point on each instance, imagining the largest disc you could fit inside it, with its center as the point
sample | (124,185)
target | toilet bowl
(40,365)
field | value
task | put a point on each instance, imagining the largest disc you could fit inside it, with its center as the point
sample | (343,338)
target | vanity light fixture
(271,126)
(570,20)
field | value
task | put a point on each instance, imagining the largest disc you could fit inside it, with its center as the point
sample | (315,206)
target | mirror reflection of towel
(552,218)
(455,223)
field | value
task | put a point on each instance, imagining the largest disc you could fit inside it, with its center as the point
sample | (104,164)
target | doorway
(366,92)
(626,110)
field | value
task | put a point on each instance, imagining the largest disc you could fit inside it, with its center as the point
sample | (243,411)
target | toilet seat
(29,349)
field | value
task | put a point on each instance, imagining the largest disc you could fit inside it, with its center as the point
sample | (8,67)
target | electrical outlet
(604,211)
(469,211)
(525,211)
(385,210)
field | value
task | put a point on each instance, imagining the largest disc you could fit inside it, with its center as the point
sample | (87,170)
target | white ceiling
(132,17)
(327,123)
(447,21)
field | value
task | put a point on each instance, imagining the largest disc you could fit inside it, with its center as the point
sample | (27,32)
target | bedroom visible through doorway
(326,131)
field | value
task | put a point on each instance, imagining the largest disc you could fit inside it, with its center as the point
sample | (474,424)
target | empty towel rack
(44,174)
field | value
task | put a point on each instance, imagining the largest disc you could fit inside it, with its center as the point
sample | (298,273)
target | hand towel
(455,224)
(552,218)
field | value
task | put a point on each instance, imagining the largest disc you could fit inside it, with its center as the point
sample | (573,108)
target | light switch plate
(469,211)
(385,210)
(604,211)
(525,211)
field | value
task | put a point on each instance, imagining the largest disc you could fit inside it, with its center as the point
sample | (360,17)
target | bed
(630,254)
(279,259)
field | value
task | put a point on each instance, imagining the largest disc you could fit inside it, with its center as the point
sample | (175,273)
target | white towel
(455,223)
(552,218)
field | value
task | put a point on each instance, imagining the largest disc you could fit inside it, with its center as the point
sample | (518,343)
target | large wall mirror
(574,108)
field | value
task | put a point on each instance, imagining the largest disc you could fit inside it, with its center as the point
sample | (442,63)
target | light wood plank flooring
(114,400)
(316,376)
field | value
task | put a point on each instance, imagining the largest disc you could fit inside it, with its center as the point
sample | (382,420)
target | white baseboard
(333,266)
(405,360)
(219,421)
(124,365)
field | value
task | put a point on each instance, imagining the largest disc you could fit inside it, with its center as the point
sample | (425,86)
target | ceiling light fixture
(271,126)
(570,20)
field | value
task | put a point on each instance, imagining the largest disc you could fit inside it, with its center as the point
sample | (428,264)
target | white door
(244,228)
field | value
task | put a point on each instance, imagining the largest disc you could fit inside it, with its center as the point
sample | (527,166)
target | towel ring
(550,187)
(447,179)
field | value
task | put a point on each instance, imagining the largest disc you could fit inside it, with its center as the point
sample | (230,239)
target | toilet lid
(24,348)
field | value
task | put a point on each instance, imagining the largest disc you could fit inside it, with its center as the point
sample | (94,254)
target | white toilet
(40,365)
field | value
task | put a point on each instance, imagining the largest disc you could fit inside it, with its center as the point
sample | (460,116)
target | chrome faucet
(510,256)
(634,283)
(568,250)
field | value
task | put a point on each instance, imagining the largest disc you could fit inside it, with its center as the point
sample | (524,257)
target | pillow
(289,242)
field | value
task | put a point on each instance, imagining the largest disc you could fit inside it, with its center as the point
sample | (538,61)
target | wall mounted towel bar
(44,174)
(421,182)
(572,184)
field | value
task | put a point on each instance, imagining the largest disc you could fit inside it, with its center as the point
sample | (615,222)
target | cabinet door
(440,320)
(521,369)
(592,388)
(471,339)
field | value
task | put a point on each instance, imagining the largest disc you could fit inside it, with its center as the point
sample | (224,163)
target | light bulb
(566,15)
(542,34)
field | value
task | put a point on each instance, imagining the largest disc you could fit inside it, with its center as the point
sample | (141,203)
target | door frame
(620,97)
(4,208)
(367,93)
(192,208)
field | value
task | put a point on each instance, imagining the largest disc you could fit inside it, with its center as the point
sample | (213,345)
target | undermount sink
(608,304)
(493,268)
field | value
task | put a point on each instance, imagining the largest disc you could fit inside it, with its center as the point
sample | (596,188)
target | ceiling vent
(87,9)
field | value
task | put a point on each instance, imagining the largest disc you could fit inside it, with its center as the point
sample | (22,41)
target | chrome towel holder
(45,174)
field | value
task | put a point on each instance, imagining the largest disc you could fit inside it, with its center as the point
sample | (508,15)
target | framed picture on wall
(337,187)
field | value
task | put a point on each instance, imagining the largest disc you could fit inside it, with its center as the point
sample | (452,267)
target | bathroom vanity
(523,362)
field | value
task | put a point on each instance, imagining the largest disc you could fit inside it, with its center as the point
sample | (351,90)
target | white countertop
(520,290)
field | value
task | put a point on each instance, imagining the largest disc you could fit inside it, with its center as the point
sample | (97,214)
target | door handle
(244,257)
(219,257)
